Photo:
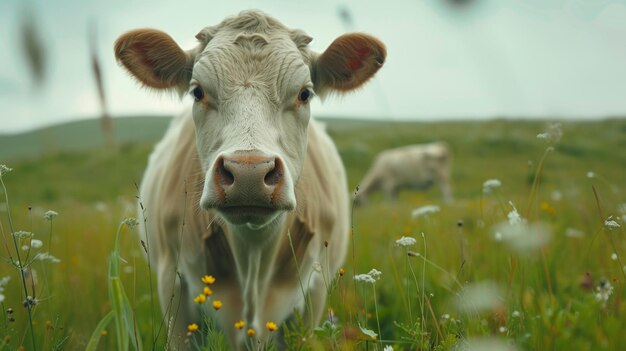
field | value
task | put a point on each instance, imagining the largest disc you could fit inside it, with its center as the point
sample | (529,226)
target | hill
(79,135)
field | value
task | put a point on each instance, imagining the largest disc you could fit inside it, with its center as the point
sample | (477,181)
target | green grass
(545,297)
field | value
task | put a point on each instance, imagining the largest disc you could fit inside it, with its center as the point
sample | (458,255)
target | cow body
(409,167)
(245,187)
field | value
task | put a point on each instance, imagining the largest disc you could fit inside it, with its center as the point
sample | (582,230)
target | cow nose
(248,176)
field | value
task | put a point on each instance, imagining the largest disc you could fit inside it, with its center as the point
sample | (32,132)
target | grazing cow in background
(246,177)
(412,166)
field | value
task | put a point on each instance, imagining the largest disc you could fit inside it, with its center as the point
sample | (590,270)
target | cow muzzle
(249,187)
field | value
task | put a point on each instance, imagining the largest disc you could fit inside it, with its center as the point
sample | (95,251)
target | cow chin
(254,214)
(254,217)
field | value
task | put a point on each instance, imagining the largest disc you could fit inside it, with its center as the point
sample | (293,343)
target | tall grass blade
(94,340)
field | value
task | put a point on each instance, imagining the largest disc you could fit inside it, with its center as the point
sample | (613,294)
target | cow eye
(197,93)
(304,95)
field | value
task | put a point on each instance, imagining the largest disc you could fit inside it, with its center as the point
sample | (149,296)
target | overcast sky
(489,58)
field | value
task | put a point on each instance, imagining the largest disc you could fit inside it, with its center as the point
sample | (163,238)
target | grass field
(472,280)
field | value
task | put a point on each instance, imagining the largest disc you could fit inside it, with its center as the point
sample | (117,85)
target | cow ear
(154,59)
(349,62)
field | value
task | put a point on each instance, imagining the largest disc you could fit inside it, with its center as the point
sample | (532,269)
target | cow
(416,166)
(245,186)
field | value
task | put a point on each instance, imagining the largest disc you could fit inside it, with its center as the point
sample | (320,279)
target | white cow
(245,172)
(412,166)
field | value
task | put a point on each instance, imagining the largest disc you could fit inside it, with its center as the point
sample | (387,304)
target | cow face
(252,81)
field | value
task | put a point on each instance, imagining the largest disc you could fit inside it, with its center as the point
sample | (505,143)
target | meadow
(530,255)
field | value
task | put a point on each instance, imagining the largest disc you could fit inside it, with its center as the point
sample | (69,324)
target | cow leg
(390,191)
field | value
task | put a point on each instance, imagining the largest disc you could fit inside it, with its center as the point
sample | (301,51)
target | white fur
(251,78)
(413,166)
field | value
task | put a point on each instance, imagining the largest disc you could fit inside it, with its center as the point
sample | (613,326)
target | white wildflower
(614,256)
(497,236)
(406,241)
(604,291)
(365,278)
(370,277)
(388,348)
(610,223)
(556,195)
(523,237)
(515,314)
(477,297)
(49,215)
(552,134)
(25,247)
(424,211)
(502,329)
(36,244)
(490,185)
(20,234)
(574,233)
(375,273)
(445,316)
(590,174)
(4,170)
(45,256)
(514,216)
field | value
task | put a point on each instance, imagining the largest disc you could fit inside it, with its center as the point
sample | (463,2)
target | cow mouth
(249,214)
(248,210)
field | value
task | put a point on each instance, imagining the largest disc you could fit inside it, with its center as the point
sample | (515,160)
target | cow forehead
(251,60)
(252,50)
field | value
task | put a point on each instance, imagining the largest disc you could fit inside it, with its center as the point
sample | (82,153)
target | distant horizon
(74,120)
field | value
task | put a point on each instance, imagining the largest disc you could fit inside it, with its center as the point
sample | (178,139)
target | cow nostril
(274,176)
(224,176)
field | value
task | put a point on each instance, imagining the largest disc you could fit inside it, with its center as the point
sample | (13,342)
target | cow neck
(255,257)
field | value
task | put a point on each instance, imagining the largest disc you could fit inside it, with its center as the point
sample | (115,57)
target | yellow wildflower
(217,304)
(207,291)
(239,325)
(193,327)
(200,299)
(250,332)
(271,326)
(342,272)
(208,279)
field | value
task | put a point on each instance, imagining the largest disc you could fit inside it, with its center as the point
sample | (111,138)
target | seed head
(131,223)
(4,170)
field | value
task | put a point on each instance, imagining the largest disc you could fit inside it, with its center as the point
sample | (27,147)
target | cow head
(252,80)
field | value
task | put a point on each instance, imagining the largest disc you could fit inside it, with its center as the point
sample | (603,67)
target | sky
(554,59)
